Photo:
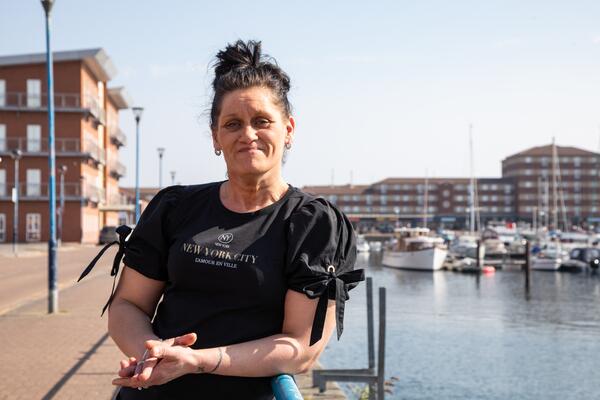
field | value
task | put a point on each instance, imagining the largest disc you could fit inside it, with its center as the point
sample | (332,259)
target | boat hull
(546,264)
(426,259)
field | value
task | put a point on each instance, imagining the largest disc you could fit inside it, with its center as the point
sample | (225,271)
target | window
(34,93)
(507,189)
(356,209)
(459,198)
(406,198)
(369,199)
(383,199)
(459,209)
(459,187)
(3,227)
(397,187)
(2,182)
(446,193)
(346,197)
(383,188)
(494,209)
(34,182)
(332,198)
(507,209)
(577,174)
(545,161)
(494,198)
(577,161)
(355,197)
(528,172)
(494,187)
(528,160)
(33,227)
(2,137)
(446,204)
(34,138)
(485,197)
(397,198)
(2,92)
(407,187)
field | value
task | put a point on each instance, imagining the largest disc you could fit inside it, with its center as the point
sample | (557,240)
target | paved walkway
(68,355)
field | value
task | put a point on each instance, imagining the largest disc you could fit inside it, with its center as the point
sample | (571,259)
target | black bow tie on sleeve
(123,231)
(334,284)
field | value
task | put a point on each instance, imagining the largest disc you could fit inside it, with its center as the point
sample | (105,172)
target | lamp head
(137,112)
(16,154)
(47,4)
(161,151)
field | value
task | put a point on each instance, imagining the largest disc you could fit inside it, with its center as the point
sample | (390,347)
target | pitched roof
(546,150)
(96,59)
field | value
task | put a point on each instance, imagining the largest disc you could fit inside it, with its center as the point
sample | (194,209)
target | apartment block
(88,139)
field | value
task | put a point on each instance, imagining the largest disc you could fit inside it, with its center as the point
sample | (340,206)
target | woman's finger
(186,340)
(146,373)
(127,372)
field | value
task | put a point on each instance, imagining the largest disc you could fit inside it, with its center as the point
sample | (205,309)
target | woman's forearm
(129,327)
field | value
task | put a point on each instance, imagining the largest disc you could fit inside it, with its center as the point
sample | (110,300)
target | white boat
(361,244)
(416,250)
(550,258)
(375,246)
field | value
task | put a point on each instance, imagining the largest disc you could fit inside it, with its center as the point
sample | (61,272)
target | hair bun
(238,55)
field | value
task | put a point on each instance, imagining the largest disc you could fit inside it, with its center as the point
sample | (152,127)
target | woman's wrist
(207,361)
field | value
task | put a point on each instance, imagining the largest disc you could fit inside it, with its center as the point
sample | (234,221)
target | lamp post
(52,286)
(61,210)
(161,152)
(137,113)
(16,155)
(172,177)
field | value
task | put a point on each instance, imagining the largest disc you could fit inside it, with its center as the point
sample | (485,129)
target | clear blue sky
(382,88)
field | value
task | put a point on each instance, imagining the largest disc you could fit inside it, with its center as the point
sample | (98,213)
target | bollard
(527,265)
(284,388)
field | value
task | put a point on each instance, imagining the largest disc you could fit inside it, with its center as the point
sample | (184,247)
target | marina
(479,336)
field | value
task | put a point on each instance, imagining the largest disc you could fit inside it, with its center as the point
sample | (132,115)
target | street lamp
(137,113)
(16,154)
(61,210)
(52,286)
(172,177)
(161,152)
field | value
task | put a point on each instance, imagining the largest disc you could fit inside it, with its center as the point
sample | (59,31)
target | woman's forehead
(250,99)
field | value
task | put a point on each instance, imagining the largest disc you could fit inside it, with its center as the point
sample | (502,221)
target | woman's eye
(262,122)
(232,125)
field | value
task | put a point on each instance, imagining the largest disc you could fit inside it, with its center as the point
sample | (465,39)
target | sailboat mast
(426,201)
(554,185)
(472,183)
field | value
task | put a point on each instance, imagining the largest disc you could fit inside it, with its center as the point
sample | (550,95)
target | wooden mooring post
(527,266)
(374,377)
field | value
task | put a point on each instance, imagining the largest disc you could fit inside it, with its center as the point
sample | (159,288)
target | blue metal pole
(52,270)
(284,388)
(137,169)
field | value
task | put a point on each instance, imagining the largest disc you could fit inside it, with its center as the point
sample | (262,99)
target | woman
(253,273)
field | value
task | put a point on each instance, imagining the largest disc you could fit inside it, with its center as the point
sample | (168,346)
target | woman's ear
(215,139)
(290,130)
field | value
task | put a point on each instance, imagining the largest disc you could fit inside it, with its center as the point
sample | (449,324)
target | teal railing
(284,388)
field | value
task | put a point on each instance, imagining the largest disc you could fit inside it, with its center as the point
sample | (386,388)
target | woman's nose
(249,133)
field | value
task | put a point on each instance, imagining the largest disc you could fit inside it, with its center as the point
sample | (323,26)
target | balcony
(116,169)
(117,202)
(63,102)
(62,146)
(118,137)
(39,191)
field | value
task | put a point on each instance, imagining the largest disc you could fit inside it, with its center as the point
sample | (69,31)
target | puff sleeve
(320,259)
(147,248)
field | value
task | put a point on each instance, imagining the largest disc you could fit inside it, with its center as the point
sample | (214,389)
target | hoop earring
(217,152)
(288,145)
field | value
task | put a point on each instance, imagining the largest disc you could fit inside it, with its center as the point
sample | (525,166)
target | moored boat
(416,250)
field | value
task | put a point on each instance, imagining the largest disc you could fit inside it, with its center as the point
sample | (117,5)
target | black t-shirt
(227,274)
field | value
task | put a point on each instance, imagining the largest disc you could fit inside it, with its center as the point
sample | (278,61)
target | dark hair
(241,65)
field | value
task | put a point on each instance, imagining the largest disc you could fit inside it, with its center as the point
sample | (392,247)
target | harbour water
(462,336)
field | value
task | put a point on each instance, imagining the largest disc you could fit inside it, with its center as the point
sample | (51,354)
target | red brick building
(523,193)
(87,143)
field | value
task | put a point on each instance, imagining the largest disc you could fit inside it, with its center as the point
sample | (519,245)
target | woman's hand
(167,360)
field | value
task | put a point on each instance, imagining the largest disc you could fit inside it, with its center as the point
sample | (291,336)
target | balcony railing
(116,169)
(62,102)
(62,146)
(118,137)
(35,191)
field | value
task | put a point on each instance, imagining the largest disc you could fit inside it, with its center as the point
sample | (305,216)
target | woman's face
(252,132)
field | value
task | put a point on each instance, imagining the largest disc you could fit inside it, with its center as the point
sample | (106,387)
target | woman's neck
(248,195)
